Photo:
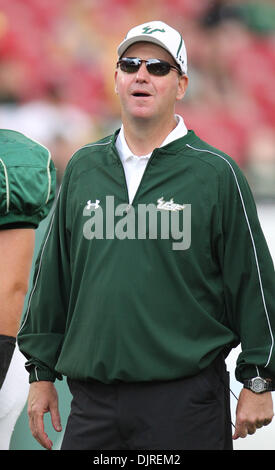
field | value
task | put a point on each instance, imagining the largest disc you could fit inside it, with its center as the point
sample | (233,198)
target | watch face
(258,385)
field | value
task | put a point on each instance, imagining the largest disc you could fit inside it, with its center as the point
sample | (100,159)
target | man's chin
(143,114)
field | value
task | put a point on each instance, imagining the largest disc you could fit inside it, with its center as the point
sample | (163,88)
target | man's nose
(142,73)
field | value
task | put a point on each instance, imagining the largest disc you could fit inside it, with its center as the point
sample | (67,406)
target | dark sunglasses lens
(159,68)
(129,65)
(154,66)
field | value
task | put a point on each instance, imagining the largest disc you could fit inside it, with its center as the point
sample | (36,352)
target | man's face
(146,96)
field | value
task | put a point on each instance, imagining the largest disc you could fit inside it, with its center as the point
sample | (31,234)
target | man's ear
(182,86)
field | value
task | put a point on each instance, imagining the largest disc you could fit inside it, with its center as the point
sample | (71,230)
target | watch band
(259,384)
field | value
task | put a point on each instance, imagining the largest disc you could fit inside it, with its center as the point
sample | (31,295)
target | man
(27,190)
(140,317)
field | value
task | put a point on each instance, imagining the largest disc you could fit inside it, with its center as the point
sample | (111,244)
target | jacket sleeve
(248,276)
(41,334)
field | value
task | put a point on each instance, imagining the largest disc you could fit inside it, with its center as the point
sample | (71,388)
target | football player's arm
(17,246)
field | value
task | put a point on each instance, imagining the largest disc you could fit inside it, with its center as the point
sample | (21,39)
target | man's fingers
(253,412)
(36,422)
(41,435)
(240,431)
(244,428)
(252,429)
(43,398)
(55,417)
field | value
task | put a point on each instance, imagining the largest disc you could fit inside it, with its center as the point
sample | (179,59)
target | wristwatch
(258,385)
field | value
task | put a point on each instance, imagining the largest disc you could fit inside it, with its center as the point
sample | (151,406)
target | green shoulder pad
(27,180)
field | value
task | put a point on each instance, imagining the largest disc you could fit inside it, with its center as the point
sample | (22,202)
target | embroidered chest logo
(94,205)
(169,205)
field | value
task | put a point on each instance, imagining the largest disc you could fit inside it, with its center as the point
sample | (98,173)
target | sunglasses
(154,66)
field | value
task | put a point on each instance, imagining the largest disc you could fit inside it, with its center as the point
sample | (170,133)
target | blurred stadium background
(57,61)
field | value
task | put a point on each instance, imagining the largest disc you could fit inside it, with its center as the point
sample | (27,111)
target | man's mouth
(141,94)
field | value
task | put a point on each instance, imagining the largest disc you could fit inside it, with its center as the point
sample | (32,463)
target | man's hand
(43,398)
(253,412)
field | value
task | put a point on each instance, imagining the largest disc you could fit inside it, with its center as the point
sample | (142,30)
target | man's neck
(143,137)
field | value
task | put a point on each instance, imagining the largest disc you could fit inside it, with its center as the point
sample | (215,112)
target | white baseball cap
(161,34)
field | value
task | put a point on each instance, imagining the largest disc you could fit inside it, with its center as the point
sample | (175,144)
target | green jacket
(140,308)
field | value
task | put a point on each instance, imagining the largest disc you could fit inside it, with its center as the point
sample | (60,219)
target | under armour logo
(90,204)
